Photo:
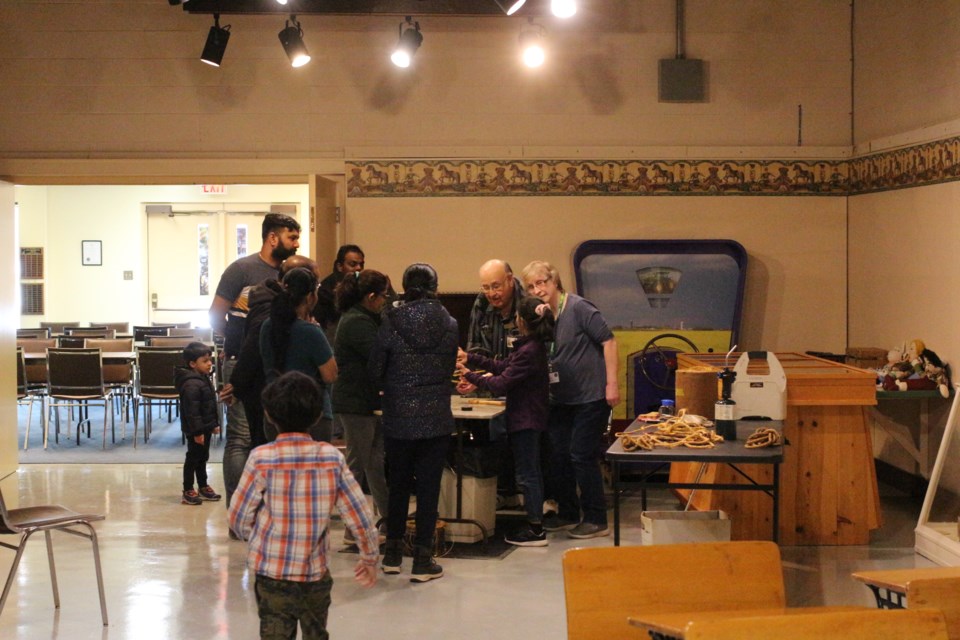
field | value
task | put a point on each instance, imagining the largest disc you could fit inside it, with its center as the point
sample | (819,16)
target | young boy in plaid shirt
(282,506)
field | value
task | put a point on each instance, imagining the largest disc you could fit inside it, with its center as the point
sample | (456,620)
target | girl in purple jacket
(523,377)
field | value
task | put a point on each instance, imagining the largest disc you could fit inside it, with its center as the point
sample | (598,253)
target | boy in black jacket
(198,419)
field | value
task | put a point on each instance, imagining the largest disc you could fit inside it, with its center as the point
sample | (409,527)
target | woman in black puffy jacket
(413,358)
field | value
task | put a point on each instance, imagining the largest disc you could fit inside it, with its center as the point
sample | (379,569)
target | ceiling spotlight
(410,40)
(283,2)
(216,44)
(563,8)
(291,37)
(510,7)
(531,45)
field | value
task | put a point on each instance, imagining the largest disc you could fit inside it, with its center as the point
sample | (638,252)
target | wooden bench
(867,624)
(604,586)
(933,587)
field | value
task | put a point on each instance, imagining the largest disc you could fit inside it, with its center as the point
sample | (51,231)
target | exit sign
(213,189)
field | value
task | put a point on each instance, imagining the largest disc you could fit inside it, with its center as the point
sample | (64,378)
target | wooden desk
(733,455)
(673,626)
(890,587)
(828,492)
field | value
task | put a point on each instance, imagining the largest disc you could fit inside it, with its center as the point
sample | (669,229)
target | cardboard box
(866,357)
(679,527)
(479,503)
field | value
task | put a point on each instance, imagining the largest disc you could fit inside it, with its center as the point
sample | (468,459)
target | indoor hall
(171,572)
(841,205)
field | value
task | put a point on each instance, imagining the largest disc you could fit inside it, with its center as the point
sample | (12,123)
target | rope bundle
(686,430)
(764,437)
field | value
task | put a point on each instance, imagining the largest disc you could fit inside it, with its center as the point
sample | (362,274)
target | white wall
(122,77)
(59,217)
(905,72)
(796,276)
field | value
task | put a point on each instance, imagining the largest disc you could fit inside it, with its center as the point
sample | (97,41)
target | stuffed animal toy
(924,371)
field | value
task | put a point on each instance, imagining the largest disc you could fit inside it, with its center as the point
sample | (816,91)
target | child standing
(282,506)
(525,380)
(198,420)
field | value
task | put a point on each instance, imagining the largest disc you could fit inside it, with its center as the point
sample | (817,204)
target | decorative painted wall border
(919,165)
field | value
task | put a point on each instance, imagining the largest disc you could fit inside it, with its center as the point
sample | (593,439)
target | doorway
(189,246)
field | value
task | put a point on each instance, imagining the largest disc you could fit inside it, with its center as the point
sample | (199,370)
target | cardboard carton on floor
(479,503)
(677,527)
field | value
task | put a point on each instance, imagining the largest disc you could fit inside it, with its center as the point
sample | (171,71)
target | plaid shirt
(487,330)
(283,504)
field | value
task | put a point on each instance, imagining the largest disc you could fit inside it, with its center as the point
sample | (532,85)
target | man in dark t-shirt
(281,239)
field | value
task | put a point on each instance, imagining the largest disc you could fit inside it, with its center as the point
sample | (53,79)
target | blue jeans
(525,445)
(238,445)
(576,442)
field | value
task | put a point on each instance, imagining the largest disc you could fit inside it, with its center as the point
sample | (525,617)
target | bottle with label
(668,408)
(725,407)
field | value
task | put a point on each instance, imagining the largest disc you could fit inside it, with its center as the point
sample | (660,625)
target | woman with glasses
(291,341)
(583,388)
(360,299)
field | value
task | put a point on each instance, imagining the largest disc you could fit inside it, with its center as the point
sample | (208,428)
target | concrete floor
(172,572)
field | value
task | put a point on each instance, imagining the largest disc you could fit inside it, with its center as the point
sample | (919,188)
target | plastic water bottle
(668,408)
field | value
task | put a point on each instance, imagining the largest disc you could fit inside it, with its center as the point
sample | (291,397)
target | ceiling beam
(364,7)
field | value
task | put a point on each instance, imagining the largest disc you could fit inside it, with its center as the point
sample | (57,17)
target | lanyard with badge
(555,375)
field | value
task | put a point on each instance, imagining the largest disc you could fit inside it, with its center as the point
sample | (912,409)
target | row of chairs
(76,378)
(78,341)
(140,333)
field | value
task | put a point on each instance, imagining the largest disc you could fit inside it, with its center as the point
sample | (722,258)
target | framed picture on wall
(91,252)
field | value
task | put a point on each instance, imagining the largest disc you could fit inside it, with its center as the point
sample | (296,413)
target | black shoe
(425,568)
(392,556)
(527,537)
(554,522)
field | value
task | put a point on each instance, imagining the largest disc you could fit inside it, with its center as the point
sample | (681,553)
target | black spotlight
(291,37)
(216,44)
(410,40)
(510,7)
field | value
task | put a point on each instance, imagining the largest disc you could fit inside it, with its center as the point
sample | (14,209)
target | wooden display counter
(828,484)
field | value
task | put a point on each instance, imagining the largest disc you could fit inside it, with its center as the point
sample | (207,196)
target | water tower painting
(658,284)
(661,297)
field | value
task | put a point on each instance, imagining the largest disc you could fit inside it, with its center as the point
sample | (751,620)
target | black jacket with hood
(198,402)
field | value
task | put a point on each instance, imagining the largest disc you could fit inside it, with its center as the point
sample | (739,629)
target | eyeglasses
(538,284)
(494,287)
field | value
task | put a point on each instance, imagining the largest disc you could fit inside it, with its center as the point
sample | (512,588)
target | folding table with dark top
(646,463)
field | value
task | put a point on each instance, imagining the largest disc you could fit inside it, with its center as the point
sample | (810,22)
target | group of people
(385,379)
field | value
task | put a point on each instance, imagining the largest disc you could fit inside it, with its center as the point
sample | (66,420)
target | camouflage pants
(283,603)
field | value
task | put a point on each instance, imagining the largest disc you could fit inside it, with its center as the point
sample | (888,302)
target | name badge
(554,377)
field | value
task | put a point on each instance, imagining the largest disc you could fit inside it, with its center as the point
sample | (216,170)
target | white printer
(760,396)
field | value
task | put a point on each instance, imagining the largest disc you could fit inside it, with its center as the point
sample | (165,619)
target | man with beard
(228,313)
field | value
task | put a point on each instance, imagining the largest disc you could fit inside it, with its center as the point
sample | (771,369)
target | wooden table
(673,626)
(828,493)
(900,432)
(890,587)
(731,454)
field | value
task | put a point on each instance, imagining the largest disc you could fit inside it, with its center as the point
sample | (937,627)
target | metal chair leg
(53,570)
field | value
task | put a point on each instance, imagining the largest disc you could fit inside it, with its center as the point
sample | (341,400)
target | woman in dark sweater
(413,357)
(523,377)
(360,298)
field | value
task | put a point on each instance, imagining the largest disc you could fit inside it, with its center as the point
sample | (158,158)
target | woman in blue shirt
(291,341)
